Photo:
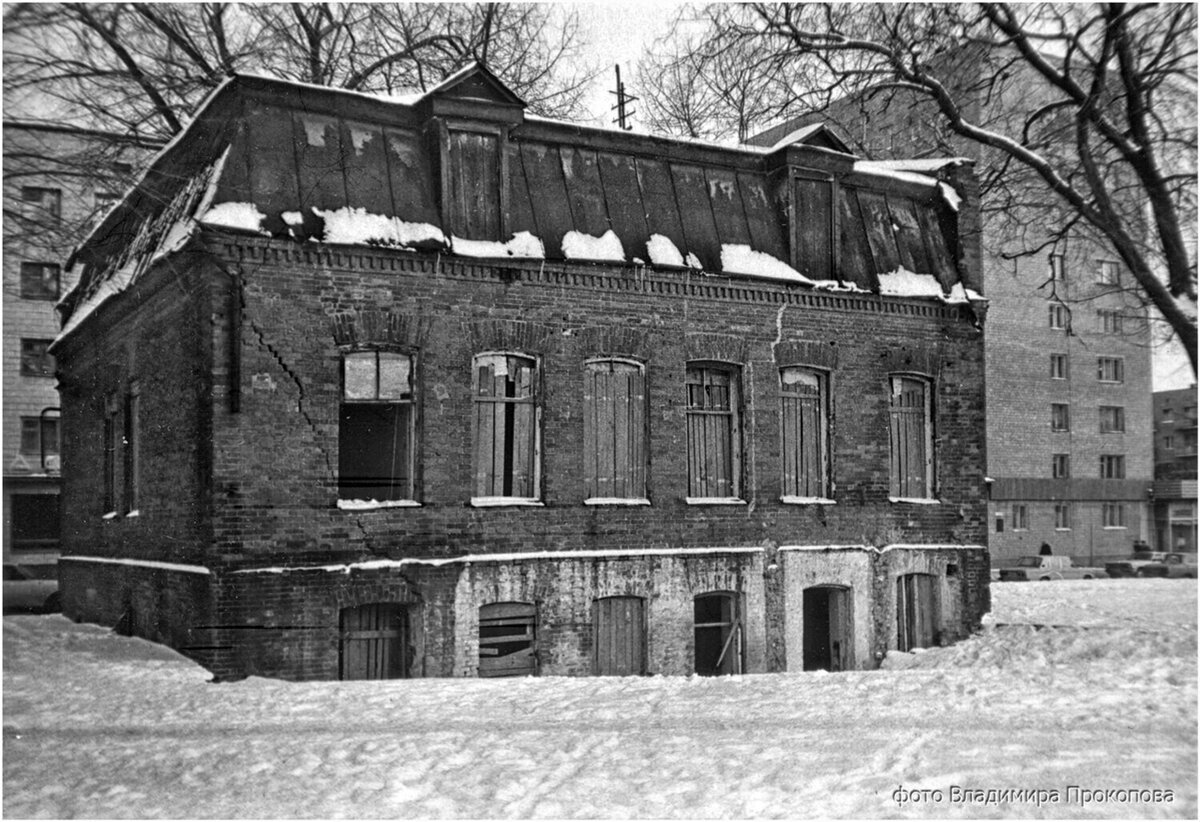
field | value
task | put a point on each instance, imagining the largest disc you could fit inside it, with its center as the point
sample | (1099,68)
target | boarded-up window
(474,185)
(374,642)
(814,228)
(713,432)
(506,639)
(377,427)
(620,636)
(506,427)
(718,634)
(614,430)
(911,438)
(805,412)
(916,615)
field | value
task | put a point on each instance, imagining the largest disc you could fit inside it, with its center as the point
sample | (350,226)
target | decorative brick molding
(374,327)
(805,352)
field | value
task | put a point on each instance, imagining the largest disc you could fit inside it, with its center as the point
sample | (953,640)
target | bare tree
(1082,117)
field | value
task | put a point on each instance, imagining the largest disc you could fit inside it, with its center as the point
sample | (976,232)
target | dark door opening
(506,639)
(916,615)
(828,629)
(374,642)
(619,625)
(718,635)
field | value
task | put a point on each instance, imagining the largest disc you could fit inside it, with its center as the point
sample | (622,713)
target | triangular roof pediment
(477,83)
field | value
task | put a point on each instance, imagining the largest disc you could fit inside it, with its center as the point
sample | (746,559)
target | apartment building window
(1113,514)
(1111,321)
(714,431)
(40,281)
(1168,443)
(1110,273)
(1060,316)
(1112,466)
(376,427)
(614,430)
(1058,268)
(132,449)
(1110,369)
(1020,517)
(506,460)
(1060,416)
(39,435)
(109,468)
(1058,366)
(911,450)
(805,423)
(1062,516)
(36,360)
(1060,466)
(1112,419)
(43,202)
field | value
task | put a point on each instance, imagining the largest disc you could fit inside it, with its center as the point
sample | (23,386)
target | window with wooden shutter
(474,208)
(377,427)
(614,431)
(713,432)
(805,423)
(506,460)
(911,438)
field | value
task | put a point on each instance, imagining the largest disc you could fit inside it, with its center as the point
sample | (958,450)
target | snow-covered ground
(1085,684)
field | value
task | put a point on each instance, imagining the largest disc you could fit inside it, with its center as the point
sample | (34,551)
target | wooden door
(916,617)
(374,641)
(506,639)
(619,625)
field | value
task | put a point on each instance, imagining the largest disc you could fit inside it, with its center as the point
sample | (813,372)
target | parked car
(1174,566)
(1045,567)
(30,589)
(1133,566)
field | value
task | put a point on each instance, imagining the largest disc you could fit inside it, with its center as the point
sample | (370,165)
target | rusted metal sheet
(474,179)
(411,175)
(813,203)
(658,194)
(909,242)
(319,161)
(367,183)
(520,206)
(696,215)
(585,193)
(856,265)
(728,212)
(272,165)
(880,237)
(763,217)
(548,194)
(622,195)
(938,249)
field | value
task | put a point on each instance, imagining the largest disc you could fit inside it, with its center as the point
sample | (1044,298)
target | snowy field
(1084,684)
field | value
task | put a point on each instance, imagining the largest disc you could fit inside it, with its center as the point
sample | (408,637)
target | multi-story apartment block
(360,388)
(1175,469)
(57,181)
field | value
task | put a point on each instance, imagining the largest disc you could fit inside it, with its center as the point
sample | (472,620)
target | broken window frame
(508,484)
(713,428)
(905,482)
(729,624)
(806,450)
(615,431)
(356,408)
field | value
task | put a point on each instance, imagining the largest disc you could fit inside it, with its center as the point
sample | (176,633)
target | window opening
(377,427)
(718,634)
(506,639)
(713,432)
(40,281)
(828,628)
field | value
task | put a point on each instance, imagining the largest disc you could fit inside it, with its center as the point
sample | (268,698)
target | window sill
(1116,528)
(714,501)
(497,502)
(788,500)
(1064,530)
(916,500)
(373,505)
(111,515)
(134,513)
(616,501)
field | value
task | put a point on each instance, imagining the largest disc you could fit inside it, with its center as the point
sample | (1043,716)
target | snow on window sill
(373,504)
(789,500)
(497,502)
(1115,528)
(916,500)
(134,513)
(714,501)
(1064,530)
(616,501)
(110,515)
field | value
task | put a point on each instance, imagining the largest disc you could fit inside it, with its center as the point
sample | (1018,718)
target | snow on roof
(357,226)
(523,244)
(742,259)
(607,247)
(883,169)
(905,283)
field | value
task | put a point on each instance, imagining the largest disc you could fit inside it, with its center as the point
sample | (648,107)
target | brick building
(56,181)
(368,388)
(1175,469)
(1067,347)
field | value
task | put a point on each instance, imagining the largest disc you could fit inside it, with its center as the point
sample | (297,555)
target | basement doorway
(916,613)
(506,639)
(374,641)
(828,628)
(718,634)
(619,630)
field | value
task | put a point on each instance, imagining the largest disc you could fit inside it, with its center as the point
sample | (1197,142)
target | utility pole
(623,100)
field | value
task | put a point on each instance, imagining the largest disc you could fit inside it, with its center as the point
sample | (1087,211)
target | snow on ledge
(714,501)
(826,548)
(905,283)
(142,563)
(932,546)
(374,504)
(523,244)
(663,251)
(916,500)
(357,226)
(959,293)
(884,169)
(616,501)
(496,502)
(742,259)
(950,196)
(789,500)
(579,246)
(237,216)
